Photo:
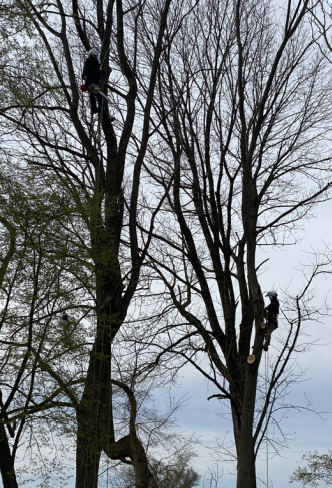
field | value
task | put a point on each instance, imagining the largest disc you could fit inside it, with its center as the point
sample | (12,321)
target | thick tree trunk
(88,444)
(243,423)
(246,472)
(246,469)
(243,413)
(88,450)
(94,415)
(95,426)
(6,461)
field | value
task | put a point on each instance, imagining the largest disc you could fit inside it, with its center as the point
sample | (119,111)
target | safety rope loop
(267,417)
(92,447)
(110,399)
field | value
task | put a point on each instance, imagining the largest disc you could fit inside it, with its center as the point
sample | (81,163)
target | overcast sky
(307,431)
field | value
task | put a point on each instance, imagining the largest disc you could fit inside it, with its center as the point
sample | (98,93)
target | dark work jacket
(272,309)
(91,72)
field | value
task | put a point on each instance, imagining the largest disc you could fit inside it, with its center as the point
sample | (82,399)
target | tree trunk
(136,452)
(95,425)
(88,446)
(94,415)
(243,399)
(6,461)
(243,429)
(246,471)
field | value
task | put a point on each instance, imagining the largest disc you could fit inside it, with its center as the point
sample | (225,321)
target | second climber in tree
(271,314)
(92,77)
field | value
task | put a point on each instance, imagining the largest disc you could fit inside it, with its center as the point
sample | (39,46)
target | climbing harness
(267,341)
(95,89)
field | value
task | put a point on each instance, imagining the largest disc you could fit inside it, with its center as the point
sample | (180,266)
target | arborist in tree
(92,77)
(271,314)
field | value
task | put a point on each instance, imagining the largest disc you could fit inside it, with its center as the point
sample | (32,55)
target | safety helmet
(272,294)
(94,52)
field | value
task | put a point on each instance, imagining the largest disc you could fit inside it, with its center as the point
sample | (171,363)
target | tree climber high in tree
(92,77)
(271,313)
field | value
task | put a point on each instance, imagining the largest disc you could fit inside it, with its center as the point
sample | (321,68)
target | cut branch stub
(251,359)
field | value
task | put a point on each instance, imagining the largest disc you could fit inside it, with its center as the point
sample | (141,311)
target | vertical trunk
(86,468)
(88,448)
(6,461)
(95,427)
(243,431)
(246,470)
(88,445)
(94,415)
(246,474)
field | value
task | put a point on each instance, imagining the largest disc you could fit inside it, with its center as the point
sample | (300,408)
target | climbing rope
(110,331)
(266,400)
(110,402)
(102,90)
(266,425)
(102,358)
(88,455)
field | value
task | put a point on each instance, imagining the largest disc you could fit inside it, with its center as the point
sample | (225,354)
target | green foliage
(45,316)
(319,468)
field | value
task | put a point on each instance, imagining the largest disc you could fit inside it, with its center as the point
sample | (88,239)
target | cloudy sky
(306,430)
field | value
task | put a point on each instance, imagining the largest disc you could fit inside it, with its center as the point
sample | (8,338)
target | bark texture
(6,462)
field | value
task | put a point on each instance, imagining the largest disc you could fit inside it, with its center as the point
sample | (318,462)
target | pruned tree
(241,122)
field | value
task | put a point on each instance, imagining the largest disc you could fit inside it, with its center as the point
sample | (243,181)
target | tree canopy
(133,247)
(319,468)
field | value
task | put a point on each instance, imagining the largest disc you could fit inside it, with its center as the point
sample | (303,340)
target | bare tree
(242,118)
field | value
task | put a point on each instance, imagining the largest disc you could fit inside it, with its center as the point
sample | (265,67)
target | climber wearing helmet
(91,75)
(271,314)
